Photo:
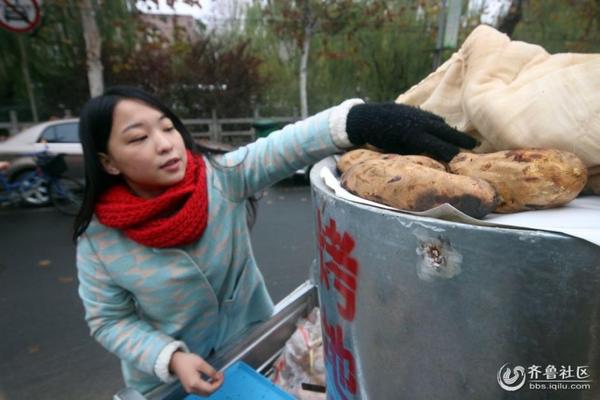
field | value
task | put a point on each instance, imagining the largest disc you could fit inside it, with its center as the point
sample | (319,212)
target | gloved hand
(403,129)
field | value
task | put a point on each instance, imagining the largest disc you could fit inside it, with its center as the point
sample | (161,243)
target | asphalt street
(45,347)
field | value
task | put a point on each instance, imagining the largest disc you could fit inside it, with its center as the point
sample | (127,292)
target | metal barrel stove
(419,308)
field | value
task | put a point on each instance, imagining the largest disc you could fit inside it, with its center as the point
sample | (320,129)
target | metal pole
(27,77)
(439,47)
(14,122)
(215,133)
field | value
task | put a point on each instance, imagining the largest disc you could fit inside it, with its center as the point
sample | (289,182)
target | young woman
(165,266)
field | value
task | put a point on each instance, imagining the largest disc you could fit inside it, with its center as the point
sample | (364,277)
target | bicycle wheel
(33,189)
(66,194)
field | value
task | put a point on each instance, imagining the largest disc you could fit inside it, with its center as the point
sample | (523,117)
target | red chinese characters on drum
(340,359)
(341,265)
(338,271)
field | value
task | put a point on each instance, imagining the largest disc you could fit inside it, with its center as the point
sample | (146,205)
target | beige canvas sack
(512,94)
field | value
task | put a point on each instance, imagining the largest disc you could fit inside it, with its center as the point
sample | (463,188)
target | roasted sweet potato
(354,157)
(526,179)
(426,162)
(413,187)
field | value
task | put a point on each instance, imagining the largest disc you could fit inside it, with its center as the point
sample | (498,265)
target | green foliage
(193,78)
(377,51)
(56,55)
(280,64)
(53,54)
(561,25)
(184,74)
(373,49)
(11,85)
(376,63)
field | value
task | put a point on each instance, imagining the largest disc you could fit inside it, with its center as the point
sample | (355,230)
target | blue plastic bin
(242,382)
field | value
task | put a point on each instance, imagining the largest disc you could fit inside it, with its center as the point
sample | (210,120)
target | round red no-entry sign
(19,15)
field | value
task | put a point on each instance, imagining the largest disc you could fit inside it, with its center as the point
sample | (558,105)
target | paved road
(46,352)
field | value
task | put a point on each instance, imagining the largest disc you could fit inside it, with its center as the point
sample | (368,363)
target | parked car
(62,137)
(303,174)
(58,137)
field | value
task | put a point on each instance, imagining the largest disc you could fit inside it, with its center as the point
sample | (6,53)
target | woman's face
(145,148)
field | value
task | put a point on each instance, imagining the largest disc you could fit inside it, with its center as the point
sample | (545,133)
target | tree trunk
(93,47)
(512,18)
(307,22)
(303,74)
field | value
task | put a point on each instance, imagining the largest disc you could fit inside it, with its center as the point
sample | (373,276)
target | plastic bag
(302,359)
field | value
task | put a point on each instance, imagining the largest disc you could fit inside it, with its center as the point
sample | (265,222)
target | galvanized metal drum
(418,308)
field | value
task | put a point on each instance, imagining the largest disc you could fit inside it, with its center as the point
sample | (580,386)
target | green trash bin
(265,126)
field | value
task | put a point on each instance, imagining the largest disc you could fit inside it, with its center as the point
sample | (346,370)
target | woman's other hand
(190,369)
(403,129)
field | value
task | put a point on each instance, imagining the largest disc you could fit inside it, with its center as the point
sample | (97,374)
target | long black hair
(95,124)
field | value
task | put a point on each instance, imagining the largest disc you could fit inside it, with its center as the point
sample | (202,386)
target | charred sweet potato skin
(526,179)
(409,186)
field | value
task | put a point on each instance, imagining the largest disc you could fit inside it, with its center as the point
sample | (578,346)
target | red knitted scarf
(175,218)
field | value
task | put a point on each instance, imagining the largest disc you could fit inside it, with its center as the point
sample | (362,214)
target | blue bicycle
(43,185)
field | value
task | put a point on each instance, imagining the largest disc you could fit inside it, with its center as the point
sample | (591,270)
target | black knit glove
(403,129)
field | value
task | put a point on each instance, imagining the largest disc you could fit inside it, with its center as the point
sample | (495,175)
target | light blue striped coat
(139,299)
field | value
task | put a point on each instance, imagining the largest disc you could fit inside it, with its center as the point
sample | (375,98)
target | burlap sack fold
(512,94)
